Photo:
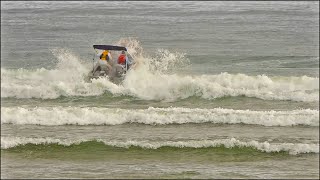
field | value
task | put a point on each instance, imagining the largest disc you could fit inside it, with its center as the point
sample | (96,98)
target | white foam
(149,80)
(48,116)
(292,148)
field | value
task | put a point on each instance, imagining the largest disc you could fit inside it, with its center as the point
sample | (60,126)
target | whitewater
(223,90)
(294,149)
(51,116)
(148,82)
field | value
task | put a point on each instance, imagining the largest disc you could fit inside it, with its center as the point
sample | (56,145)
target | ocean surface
(220,90)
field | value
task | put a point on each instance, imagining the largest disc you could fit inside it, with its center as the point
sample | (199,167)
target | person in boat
(122,58)
(104,62)
(124,61)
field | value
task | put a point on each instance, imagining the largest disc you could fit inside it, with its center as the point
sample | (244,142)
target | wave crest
(154,116)
(291,148)
(149,80)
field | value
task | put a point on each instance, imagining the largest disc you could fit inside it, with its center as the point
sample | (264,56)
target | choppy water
(222,90)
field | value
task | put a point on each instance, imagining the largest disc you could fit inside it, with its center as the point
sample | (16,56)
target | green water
(214,71)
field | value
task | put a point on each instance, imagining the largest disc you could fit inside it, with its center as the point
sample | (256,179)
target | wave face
(49,116)
(231,94)
(291,148)
(152,79)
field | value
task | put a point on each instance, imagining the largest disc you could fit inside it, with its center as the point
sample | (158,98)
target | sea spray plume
(146,77)
(148,80)
(68,61)
(133,46)
(164,61)
(66,79)
(53,116)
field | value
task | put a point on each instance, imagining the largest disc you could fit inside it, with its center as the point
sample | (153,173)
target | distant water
(222,90)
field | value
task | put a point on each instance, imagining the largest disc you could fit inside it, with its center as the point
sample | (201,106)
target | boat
(117,71)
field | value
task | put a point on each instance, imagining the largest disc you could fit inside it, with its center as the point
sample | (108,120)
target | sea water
(220,90)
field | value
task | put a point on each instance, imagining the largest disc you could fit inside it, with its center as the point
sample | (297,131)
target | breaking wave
(291,148)
(151,80)
(49,116)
